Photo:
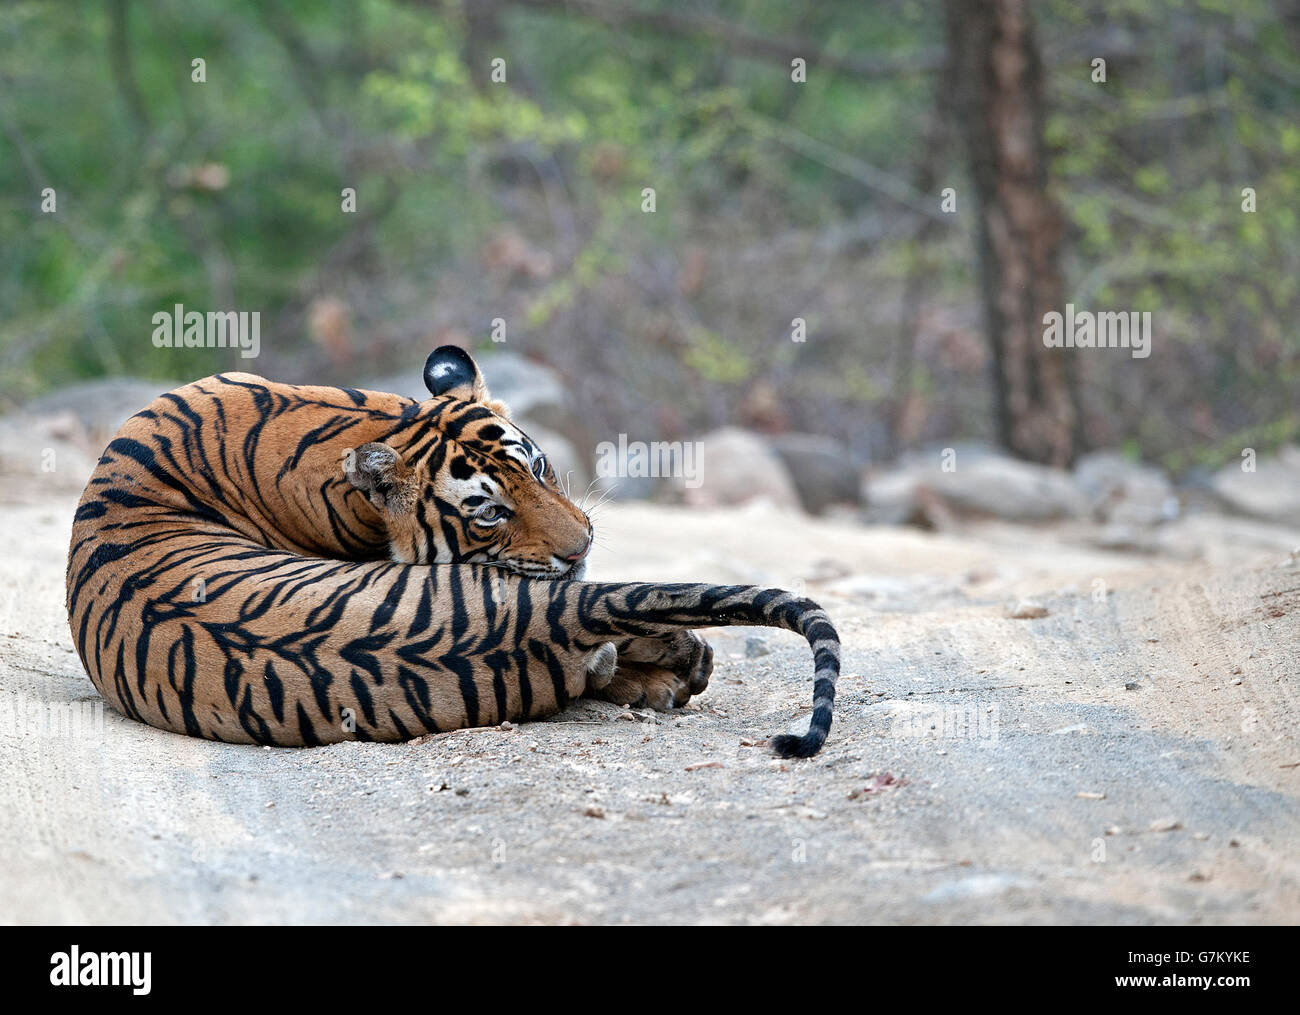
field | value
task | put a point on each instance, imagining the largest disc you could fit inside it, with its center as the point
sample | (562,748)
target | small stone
(594,811)
(1201,836)
(1091,796)
(1027,609)
(1166,825)
(1132,685)
(1114,830)
(1198,876)
(755,647)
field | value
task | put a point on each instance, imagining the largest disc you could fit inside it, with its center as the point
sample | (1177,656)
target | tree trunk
(999,93)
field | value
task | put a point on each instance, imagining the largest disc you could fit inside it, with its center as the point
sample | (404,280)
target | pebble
(1166,825)
(1027,609)
(755,647)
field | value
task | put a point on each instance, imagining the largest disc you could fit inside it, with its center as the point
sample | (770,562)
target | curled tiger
(265,563)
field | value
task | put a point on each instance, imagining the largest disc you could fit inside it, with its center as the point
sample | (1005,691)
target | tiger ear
(450,370)
(379,472)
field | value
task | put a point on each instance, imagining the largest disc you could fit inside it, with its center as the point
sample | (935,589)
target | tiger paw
(640,685)
(684,654)
(661,673)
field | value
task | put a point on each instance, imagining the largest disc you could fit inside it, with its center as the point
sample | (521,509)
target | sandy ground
(1130,757)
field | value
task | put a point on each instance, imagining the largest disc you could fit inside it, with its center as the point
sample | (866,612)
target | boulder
(980,482)
(100,406)
(1271,492)
(43,457)
(735,466)
(822,469)
(1125,494)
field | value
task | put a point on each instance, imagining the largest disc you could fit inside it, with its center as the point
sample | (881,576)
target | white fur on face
(457,490)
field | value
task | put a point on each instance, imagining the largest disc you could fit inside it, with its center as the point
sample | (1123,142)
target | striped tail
(643,608)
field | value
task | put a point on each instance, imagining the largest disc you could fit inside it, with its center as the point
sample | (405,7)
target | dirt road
(1131,756)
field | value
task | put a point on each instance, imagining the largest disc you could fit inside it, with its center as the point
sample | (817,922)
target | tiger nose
(581,553)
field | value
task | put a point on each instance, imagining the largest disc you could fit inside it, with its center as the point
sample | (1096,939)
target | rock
(980,483)
(1027,610)
(756,647)
(43,456)
(891,498)
(822,469)
(1166,825)
(1009,489)
(1125,494)
(100,406)
(641,470)
(1271,492)
(736,466)
(1223,540)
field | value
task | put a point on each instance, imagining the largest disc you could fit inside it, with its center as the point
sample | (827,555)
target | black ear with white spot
(379,472)
(450,370)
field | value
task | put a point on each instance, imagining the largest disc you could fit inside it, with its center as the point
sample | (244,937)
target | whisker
(587,492)
(605,495)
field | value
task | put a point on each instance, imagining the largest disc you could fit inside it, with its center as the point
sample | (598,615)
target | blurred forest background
(775,199)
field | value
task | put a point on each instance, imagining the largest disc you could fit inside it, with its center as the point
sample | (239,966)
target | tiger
(294,565)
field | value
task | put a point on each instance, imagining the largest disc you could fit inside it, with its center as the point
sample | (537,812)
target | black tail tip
(787,745)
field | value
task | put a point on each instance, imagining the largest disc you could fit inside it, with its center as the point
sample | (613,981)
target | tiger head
(459,482)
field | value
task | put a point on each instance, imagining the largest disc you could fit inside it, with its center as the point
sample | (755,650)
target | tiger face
(472,488)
